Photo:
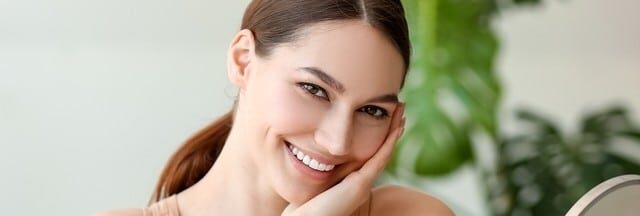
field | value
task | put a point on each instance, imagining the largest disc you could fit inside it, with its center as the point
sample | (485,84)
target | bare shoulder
(121,212)
(398,200)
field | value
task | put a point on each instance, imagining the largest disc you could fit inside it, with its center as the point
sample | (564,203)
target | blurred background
(515,107)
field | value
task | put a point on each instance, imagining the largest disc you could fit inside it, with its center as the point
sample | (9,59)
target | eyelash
(315,89)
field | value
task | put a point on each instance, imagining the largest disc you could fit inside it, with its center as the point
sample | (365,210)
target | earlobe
(239,57)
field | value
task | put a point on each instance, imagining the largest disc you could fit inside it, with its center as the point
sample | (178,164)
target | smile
(309,161)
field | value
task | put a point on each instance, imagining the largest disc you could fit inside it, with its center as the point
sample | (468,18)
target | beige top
(169,207)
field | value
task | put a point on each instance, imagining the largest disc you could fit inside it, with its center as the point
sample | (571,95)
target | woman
(314,122)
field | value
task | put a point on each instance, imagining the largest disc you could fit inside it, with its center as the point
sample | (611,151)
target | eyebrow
(388,98)
(326,78)
(333,83)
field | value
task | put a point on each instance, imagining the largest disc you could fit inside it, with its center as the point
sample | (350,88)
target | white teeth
(310,162)
(306,159)
(330,167)
(322,167)
(300,155)
(314,164)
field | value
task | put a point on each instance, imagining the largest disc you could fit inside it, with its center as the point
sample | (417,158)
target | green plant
(452,90)
(453,93)
(542,171)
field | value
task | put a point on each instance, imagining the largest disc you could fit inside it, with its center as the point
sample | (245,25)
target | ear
(241,53)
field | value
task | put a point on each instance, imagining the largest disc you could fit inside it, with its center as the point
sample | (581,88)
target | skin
(280,99)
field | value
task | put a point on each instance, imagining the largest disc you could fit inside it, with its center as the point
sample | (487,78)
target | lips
(309,169)
(309,161)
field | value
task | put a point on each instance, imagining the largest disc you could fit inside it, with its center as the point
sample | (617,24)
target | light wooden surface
(617,196)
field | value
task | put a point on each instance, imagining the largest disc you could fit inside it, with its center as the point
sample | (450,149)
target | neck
(233,186)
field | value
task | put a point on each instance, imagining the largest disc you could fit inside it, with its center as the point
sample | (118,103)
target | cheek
(291,111)
(367,140)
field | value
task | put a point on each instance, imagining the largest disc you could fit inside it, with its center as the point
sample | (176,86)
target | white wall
(95,95)
(570,55)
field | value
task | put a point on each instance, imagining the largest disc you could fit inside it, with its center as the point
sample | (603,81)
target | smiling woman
(314,123)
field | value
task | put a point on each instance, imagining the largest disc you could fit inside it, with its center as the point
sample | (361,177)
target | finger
(395,130)
(396,119)
(343,198)
(377,163)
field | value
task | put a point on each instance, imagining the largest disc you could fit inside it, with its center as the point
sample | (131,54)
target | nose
(335,131)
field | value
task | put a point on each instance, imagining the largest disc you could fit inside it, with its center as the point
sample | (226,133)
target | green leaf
(561,167)
(452,90)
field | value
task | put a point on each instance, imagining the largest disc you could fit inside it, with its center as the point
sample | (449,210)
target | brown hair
(275,22)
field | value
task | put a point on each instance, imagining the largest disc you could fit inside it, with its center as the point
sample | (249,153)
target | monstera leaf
(542,171)
(451,90)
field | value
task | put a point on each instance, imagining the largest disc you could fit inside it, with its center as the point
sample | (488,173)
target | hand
(345,197)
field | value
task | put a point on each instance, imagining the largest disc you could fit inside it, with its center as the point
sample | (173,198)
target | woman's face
(328,96)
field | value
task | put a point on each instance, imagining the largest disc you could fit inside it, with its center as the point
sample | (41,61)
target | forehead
(356,54)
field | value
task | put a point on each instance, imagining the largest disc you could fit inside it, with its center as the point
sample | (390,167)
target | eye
(375,112)
(314,90)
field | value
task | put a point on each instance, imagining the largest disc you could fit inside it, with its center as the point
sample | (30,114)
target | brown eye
(375,112)
(314,90)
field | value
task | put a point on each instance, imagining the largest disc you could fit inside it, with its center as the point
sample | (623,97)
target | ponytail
(193,159)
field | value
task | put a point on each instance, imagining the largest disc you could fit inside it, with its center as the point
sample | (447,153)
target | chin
(298,196)
(297,192)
